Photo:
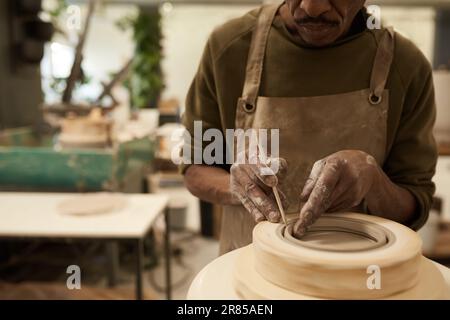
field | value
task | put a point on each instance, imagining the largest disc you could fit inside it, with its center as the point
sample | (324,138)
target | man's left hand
(338,182)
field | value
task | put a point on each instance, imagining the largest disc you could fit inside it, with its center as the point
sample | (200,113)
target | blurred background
(90,95)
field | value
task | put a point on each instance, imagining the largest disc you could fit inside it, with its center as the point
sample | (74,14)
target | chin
(316,38)
(313,42)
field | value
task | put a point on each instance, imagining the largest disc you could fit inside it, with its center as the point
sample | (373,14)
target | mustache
(318,20)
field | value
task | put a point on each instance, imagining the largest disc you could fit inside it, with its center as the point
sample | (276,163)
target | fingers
(345,204)
(280,165)
(269,172)
(264,174)
(320,196)
(312,179)
(348,193)
(284,200)
(350,199)
(341,195)
(255,182)
(265,168)
(248,205)
(258,197)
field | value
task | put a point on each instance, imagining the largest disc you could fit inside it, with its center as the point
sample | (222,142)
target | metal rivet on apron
(249,108)
(374,99)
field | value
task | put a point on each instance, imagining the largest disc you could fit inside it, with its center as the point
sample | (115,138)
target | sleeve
(412,160)
(201,113)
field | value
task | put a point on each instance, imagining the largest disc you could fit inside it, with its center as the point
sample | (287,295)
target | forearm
(210,184)
(388,200)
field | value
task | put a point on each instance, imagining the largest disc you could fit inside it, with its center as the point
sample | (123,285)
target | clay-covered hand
(339,182)
(251,185)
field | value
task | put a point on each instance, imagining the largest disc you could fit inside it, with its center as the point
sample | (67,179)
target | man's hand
(339,182)
(252,186)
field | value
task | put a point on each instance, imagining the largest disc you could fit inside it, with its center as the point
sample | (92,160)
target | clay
(92,204)
(91,131)
(251,285)
(334,233)
(333,262)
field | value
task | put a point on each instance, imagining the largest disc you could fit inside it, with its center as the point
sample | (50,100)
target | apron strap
(256,55)
(382,66)
(255,62)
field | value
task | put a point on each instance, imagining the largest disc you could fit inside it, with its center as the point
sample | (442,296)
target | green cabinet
(28,162)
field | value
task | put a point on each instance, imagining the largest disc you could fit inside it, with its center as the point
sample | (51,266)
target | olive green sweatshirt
(292,70)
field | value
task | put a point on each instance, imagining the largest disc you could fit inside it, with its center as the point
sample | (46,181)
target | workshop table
(35,216)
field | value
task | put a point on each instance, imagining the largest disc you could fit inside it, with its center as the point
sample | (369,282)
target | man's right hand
(251,185)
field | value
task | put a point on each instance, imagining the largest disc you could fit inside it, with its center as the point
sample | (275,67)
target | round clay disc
(92,204)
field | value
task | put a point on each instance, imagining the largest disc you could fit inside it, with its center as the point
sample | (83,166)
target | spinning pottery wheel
(338,258)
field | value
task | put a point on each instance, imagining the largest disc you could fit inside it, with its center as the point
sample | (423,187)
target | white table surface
(36,215)
(219,274)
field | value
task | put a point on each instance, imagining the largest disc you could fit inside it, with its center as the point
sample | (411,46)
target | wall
(186,29)
(416,24)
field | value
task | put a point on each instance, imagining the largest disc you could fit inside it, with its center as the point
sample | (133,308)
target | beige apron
(311,128)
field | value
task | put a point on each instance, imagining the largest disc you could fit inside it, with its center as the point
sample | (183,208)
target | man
(354,108)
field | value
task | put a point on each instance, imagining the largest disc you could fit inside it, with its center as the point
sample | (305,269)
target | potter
(353,137)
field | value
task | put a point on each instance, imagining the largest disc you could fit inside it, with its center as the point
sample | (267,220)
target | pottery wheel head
(339,234)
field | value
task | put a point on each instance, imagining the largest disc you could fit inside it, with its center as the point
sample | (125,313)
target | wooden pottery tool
(280,205)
